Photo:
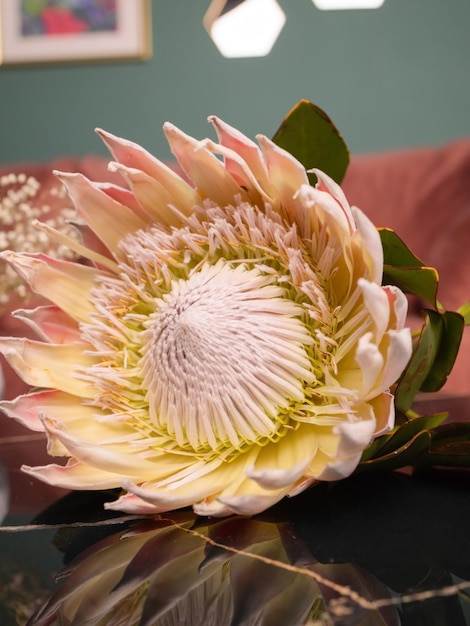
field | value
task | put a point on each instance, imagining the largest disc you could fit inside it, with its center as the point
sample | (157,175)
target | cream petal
(132,504)
(235,140)
(109,219)
(286,174)
(67,412)
(278,478)
(96,251)
(74,476)
(50,323)
(301,486)
(122,195)
(355,436)
(352,438)
(326,183)
(152,197)
(326,209)
(132,155)
(252,504)
(48,365)
(241,173)
(398,354)
(211,508)
(198,485)
(399,306)
(283,464)
(117,458)
(342,468)
(80,250)
(377,303)
(31,407)
(127,152)
(204,169)
(81,424)
(64,283)
(384,411)
(371,242)
(371,363)
(167,500)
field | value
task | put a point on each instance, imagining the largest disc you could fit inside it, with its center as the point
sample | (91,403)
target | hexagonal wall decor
(244,28)
(347,4)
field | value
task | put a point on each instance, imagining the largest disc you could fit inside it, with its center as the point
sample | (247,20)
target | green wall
(393,77)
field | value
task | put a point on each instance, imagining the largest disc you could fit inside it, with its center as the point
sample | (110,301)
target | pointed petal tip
(171,131)
(251,504)
(8,255)
(215,508)
(114,166)
(68,177)
(110,140)
(11,345)
(169,126)
(106,135)
(215,121)
(278,478)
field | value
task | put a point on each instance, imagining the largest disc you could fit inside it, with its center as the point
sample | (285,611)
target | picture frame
(61,31)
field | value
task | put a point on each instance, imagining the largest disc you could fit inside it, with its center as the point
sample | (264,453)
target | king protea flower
(228,341)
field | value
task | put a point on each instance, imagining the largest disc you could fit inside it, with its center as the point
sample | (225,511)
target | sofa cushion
(423,194)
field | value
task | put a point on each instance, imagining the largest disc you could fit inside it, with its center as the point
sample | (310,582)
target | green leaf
(407,454)
(399,437)
(453,432)
(422,442)
(424,352)
(450,446)
(433,356)
(311,137)
(451,326)
(403,269)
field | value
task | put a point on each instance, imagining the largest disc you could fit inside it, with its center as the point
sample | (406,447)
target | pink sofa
(423,194)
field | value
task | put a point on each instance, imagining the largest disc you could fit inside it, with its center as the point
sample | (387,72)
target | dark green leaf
(311,137)
(424,352)
(421,281)
(450,334)
(433,356)
(450,446)
(453,455)
(396,252)
(407,454)
(403,269)
(398,438)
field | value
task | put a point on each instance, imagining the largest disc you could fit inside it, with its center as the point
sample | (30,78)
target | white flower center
(225,356)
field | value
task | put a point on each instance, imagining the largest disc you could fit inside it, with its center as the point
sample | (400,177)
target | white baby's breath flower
(23,202)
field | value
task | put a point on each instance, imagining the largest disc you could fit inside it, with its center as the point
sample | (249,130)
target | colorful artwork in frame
(55,31)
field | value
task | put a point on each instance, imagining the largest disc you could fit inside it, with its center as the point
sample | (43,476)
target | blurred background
(392,77)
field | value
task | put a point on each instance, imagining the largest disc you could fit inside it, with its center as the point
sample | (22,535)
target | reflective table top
(375,549)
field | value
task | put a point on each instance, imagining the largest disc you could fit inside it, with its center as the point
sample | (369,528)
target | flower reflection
(173,570)
(4,492)
(366,554)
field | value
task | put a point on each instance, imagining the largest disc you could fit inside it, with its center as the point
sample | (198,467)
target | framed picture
(56,31)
